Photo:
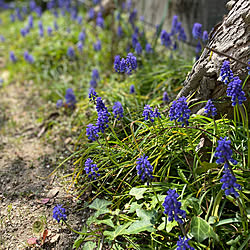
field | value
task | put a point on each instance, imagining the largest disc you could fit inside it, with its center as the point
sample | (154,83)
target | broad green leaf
(145,223)
(134,206)
(205,166)
(100,206)
(228,221)
(170,225)
(137,192)
(193,203)
(89,245)
(119,230)
(154,201)
(93,219)
(201,230)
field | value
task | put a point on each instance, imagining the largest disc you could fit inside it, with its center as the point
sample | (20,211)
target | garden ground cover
(48,160)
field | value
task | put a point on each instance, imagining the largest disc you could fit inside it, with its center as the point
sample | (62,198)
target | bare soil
(27,156)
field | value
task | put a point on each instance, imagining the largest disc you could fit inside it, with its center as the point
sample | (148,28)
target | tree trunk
(228,40)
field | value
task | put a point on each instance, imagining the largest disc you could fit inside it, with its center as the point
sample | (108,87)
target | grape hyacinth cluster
(125,65)
(91,169)
(197,31)
(234,90)
(210,109)
(172,207)
(28,57)
(179,111)
(97,46)
(144,168)
(92,94)
(226,73)
(229,183)
(132,89)
(224,155)
(103,115)
(165,98)
(70,52)
(59,213)
(118,110)
(13,57)
(92,132)
(165,39)
(70,99)
(149,114)
(182,244)
(224,152)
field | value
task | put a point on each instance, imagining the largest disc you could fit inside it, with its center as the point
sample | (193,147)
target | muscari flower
(118,110)
(12,18)
(174,28)
(198,48)
(102,120)
(148,48)
(59,213)
(24,32)
(224,152)
(91,169)
(59,103)
(93,83)
(182,35)
(197,31)
(165,39)
(99,20)
(172,207)
(70,97)
(179,111)
(144,168)
(49,31)
(132,16)
(138,48)
(210,109)
(134,40)
(132,89)
(81,36)
(29,58)
(79,19)
(71,52)
(91,13)
(131,63)
(30,22)
(205,36)
(229,183)
(248,68)
(79,46)
(226,73)
(149,114)
(92,94)
(97,45)
(165,97)
(92,132)
(13,57)
(95,74)
(119,31)
(182,244)
(234,90)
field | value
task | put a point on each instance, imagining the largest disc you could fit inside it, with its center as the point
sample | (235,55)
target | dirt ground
(27,156)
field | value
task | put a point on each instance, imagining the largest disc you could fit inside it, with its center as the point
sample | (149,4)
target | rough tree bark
(230,37)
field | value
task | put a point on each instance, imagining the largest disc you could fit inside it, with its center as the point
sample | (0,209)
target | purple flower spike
(172,207)
(59,213)
(197,31)
(144,168)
